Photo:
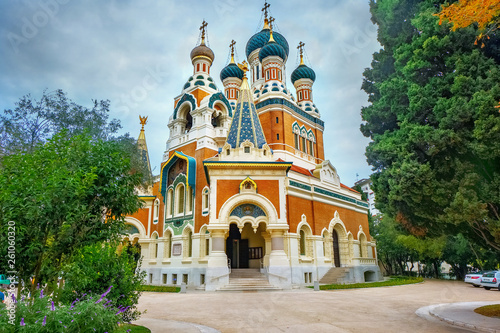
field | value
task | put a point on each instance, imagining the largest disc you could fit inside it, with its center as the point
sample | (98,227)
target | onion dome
(272,48)
(202,51)
(231,70)
(303,72)
(261,38)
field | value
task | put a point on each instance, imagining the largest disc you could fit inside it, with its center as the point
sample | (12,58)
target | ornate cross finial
(266,6)
(301,50)
(271,20)
(232,50)
(244,67)
(202,28)
(143,120)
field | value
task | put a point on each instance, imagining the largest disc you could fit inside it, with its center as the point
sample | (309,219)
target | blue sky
(136,54)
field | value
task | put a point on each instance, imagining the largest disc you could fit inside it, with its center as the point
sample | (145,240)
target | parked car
(475,278)
(491,280)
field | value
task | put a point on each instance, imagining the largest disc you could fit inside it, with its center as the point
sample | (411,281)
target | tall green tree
(68,193)
(433,122)
(32,122)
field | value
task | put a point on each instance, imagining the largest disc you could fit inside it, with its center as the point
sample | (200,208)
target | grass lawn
(489,310)
(396,281)
(163,289)
(132,328)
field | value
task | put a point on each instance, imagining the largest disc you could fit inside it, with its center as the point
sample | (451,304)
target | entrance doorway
(245,249)
(336,251)
(237,248)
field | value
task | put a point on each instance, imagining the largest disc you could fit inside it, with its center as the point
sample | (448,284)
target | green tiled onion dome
(272,49)
(303,72)
(231,70)
(261,38)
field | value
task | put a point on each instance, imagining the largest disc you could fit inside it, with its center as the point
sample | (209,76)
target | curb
(458,323)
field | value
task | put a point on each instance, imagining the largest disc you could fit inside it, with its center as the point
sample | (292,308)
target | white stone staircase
(247,279)
(335,275)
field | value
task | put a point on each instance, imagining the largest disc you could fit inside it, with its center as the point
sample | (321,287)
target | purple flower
(52,308)
(22,322)
(14,298)
(41,293)
(44,320)
(104,295)
(37,286)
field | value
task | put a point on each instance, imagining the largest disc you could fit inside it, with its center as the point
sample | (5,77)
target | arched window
(304,147)
(188,242)
(305,241)
(179,199)
(169,203)
(296,140)
(311,148)
(154,246)
(204,201)
(156,210)
(167,247)
(302,243)
(363,250)
(204,67)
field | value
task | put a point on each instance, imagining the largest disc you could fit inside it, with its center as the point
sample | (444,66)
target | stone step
(248,280)
(334,275)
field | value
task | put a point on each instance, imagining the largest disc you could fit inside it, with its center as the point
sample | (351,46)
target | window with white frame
(204,201)
(156,210)
(179,199)
(169,203)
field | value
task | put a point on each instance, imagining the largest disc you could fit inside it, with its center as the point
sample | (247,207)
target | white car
(474,278)
(491,280)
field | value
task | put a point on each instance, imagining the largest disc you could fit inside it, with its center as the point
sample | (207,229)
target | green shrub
(96,267)
(165,289)
(41,315)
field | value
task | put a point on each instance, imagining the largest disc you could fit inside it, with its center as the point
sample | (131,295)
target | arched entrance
(336,248)
(245,249)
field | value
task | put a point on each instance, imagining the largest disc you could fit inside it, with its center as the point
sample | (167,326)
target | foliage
(41,315)
(66,194)
(130,328)
(96,267)
(32,122)
(434,125)
(489,310)
(164,289)
(484,13)
(398,281)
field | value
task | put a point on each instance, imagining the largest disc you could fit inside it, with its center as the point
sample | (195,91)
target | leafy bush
(41,315)
(165,289)
(98,266)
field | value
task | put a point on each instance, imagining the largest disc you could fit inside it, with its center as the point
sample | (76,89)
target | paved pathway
(387,309)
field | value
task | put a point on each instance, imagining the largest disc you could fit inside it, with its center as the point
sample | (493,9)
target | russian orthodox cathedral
(244,188)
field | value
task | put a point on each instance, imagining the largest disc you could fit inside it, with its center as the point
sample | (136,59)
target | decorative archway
(343,256)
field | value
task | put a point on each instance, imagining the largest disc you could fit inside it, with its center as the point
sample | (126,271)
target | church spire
(245,126)
(141,143)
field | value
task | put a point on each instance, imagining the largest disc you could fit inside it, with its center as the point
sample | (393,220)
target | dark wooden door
(336,252)
(244,253)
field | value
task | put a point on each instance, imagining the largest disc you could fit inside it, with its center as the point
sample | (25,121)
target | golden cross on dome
(301,50)
(271,20)
(143,120)
(244,67)
(232,50)
(266,6)
(202,28)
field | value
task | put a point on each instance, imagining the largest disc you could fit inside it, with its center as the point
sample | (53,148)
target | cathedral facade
(244,182)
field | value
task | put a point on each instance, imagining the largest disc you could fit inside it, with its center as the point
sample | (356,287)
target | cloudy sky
(136,54)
